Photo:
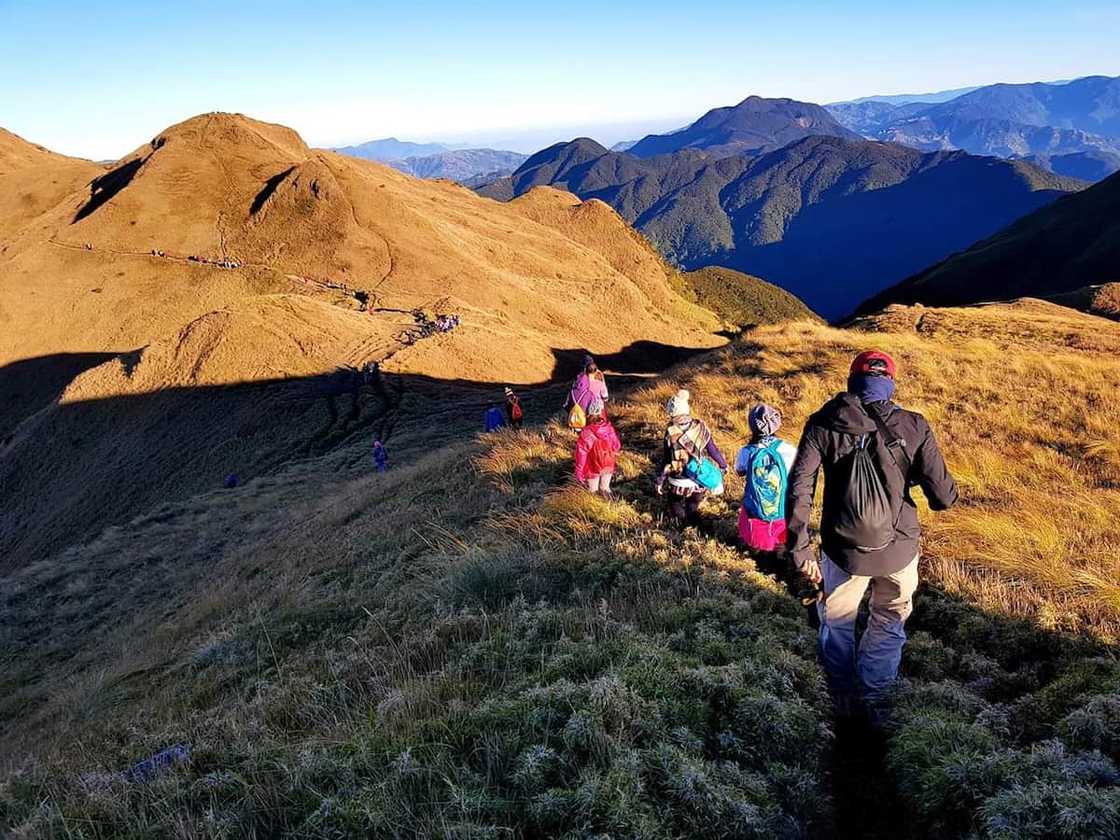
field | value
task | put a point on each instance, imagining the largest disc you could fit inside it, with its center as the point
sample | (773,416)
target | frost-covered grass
(1004,730)
(514,658)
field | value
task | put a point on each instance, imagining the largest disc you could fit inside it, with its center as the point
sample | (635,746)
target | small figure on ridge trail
(595,450)
(691,463)
(872,452)
(380,456)
(515,416)
(588,385)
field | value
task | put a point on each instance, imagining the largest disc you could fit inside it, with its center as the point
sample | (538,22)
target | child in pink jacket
(595,450)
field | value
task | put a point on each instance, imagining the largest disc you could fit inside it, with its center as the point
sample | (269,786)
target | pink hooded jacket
(586,388)
(589,462)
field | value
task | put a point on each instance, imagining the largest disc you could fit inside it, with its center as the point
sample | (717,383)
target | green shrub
(1051,810)
(1096,725)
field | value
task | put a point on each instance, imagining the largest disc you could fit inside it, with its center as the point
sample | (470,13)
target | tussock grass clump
(581,511)
(1002,729)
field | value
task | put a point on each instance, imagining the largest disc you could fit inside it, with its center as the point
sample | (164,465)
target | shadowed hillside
(1072,243)
(829,219)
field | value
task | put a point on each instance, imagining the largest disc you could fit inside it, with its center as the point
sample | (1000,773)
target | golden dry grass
(540,272)
(1022,399)
(130,283)
(287,627)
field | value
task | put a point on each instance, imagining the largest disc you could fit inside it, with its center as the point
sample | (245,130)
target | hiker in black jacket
(869,525)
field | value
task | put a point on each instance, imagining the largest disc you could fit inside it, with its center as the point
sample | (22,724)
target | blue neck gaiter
(871,389)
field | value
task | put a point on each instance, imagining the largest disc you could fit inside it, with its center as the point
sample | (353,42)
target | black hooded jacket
(830,436)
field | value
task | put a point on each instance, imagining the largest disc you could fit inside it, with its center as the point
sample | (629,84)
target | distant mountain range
(1069,244)
(833,220)
(755,125)
(1073,128)
(390,149)
(463,165)
(436,160)
(903,98)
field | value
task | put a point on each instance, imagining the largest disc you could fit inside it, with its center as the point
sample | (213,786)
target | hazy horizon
(86,82)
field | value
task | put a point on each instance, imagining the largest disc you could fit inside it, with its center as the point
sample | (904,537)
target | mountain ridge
(1046,121)
(805,215)
(390,148)
(461,165)
(754,125)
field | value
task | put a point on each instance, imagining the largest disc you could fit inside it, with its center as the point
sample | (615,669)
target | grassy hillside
(740,299)
(469,646)
(1103,300)
(1062,247)
(464,645)
(204,307)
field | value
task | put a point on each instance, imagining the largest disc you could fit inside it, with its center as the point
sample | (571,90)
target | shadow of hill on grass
(81,466)
(563,661)
(472,622)
(30,384)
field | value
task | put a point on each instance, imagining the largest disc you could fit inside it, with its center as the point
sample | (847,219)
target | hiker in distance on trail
(380,456)
(872,452)
(515,415)
(493,419)
(691,464)
(588,385)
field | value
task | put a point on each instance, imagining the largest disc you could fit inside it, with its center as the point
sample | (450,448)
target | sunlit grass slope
(1023,400)
(470,646)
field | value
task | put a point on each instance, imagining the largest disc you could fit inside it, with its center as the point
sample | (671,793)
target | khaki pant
(870,669)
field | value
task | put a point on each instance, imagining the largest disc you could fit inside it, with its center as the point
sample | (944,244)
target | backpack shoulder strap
(684,442)
(894,443)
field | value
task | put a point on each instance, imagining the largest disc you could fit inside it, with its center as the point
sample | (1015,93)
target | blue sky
(98,79)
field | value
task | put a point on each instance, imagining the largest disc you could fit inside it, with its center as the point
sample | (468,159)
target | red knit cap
(873,361)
